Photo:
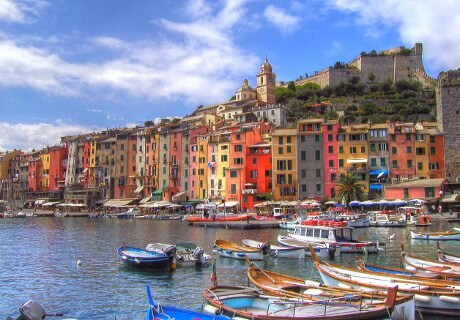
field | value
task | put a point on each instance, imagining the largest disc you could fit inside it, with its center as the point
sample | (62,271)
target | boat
(323,250)
(443,235)
(392,270)
(129,214)
(32,310)
(140,258)
(432,296)
(415,215)
(447,270)
(156,310)
(250,303)
(237,251)
(342,236)
(288,224)
(288,286)
(387,219)
(185,253)
(276,251)
(220,217)
(447,257)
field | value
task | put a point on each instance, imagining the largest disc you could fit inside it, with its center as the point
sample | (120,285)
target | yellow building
(284,164)
(223,161)
(45,178)
(202,166)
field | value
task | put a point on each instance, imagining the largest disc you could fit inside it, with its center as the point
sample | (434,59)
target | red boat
(220,218)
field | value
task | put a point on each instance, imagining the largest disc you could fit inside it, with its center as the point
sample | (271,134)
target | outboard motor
(265,248)
(198,254)
(31,310)
(171,251)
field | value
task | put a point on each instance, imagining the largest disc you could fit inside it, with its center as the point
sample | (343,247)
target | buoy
(420,298)
(449,299)
(78,262)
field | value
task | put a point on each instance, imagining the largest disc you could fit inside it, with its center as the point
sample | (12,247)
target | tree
(349,188)
(291,85)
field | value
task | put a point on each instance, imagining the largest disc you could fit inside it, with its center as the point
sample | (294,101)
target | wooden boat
(446,235)
(140,258)
(288,286)
(342,236)
(445,269)
(391,270)
(185,254)
(276,251)
(250,303)
(237,251)
(156,310)
(435,296)
(447,257)
(322,250)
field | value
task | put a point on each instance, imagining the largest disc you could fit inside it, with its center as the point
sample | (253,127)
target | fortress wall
(381,66)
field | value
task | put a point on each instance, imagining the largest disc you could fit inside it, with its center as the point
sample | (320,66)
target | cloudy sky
(69,67)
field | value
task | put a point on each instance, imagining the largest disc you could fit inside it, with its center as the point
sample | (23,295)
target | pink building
(331,160)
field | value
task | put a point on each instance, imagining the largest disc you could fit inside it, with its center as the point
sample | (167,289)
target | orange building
(401,145)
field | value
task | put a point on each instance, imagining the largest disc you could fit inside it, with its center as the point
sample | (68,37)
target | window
(254,160)
(318,173)
(432,139)
(330,137)
(280,140)
(317,154)
(420,151)
(340,149)
(288,149)
(409,149)
(341,163)
(434,166)
(408,137)
(233,188)
(318,187)
(372,146)
(420,165)
(329,127)
(233,173)
(330,149)
(289,164)
(281,179)
(303,173)
(303,155)
(363,149)
(223,158)
(238,161)
(394,150)
(302,138)
(254,174)
(288,140)
(281,165)
(393,137)
(433,150)
(317,137)
(331,163)
(373,162)
(238,137)
(280,150)
(383,162)
(352,149)
(238,148)
(304,188)
(395,163)
(409,163)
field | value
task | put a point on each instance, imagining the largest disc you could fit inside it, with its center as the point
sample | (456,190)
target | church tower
(266,84)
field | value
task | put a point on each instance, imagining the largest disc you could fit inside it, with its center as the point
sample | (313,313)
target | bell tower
(266,84)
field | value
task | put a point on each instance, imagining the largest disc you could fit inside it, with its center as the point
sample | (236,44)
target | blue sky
(75,66)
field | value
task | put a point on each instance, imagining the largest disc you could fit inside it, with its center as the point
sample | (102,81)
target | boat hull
(439,236)
(276,251)
(139,258)
(233,250)
(322,250)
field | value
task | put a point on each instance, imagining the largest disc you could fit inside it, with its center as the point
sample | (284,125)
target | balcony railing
(249,191)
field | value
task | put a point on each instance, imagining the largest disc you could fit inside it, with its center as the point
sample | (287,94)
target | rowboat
(136,257)
(447,257)
(446,235)
(185,254)
(342,236)
(275,251)
(322,250)
(447,270)
(279,284)
(250,303)
(391,270)
(435,296)
(237,251)
(156,310)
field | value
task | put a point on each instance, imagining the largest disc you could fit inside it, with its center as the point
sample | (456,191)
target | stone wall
(448,113)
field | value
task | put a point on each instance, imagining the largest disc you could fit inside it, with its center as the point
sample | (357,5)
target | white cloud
(20,11)
(36,136)
(436,24)
(282,20)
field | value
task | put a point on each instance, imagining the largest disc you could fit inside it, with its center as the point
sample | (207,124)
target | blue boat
(157,311)
(140,258)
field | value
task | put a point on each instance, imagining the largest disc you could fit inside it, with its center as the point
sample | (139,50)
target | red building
(425,189)
(58,165)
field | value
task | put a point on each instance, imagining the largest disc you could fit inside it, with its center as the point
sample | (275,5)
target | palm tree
(349,188)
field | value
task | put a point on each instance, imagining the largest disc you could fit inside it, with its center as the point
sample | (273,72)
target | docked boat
(323,250)
(129,214)
(415,215)
(140,258)
(159,311)
(387,219)
(447,270)
(250,303)
(276,251)
(288,286)
(432,296)
(342,236)
(237,251)
(392,270)
(446,235)
(447,257)
(185,254)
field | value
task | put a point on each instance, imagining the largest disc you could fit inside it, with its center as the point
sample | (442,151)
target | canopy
(159,191)
(145,200)
(367,203)
(377,172)
(375,186)
(357,160)
(139,189)
(354,203)
(118,202)
(332,202)
(179,197)
(455,197)
(228,204)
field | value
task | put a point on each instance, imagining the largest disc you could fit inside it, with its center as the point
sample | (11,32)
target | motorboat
(323,250)
(184,253)
(276,251)
(237,251)
(386,218)
(140,258)
(129,214)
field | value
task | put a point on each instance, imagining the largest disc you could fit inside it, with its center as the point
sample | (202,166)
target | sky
(71,67)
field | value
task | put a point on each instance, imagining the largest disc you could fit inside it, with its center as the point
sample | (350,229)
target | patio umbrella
(367,203)
(354,203)
(331,202)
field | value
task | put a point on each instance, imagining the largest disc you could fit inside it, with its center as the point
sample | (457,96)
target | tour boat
(443,235)
(433,296)
(250,303)
(289,286)
(342,236)
(140,258)
(323,250)
(237,251)
(447,257)
(276,251)
(185,254)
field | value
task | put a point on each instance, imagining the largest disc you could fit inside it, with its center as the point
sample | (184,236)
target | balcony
(173,177)
(174,163)
(249,191)
(357,170)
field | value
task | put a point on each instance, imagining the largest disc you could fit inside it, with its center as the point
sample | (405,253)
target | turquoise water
(39,262)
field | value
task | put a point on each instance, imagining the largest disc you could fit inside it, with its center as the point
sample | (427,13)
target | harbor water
(39,262)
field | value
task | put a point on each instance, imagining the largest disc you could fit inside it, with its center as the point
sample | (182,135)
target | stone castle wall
(448,113)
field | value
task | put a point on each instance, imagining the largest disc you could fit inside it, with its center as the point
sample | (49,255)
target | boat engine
(331,251)
(265,248)
(171,251)
(198,254)
(31,310)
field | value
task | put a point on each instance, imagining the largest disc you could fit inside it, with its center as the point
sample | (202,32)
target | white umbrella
(332,202)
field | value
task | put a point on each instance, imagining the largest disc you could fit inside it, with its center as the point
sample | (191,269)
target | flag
(214,274)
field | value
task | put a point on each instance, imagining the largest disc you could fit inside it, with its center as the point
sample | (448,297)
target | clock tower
(266,84)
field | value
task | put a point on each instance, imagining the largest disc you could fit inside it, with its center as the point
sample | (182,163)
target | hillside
(356,102)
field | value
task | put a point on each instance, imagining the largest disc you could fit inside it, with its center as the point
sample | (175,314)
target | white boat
(322,250)
(129,214)
(345,237)
(276,251)
(447,270)
(185,254)
(237,251)
(387,219)
(445,235)
(435,296)
(447,257)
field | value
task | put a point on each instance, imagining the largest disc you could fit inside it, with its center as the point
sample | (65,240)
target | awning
(228,204)
(449,198)
(118,202)
(376,186)
(357,160)
(377,172)
(145,200)
(84,170)
(139,189)
(179,197)
(157,192)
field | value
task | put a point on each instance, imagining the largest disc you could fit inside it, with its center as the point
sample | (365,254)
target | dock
(242,225)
